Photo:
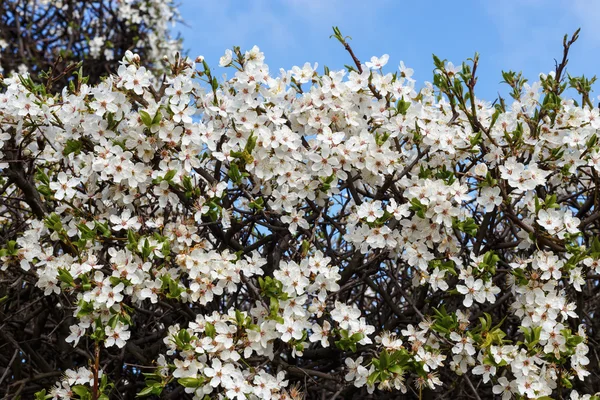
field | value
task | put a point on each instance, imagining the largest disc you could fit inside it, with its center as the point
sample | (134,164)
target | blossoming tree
(299,234)
(38,35)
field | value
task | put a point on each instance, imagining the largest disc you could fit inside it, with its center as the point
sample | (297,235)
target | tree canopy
(37,36)
(310,233)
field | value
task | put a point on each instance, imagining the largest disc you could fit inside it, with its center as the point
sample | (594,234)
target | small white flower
(117,336)
(378,62)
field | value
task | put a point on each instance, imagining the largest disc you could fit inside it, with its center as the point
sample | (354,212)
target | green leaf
(174,290)
(491,258)
(157,118)
(437,62)
(85,308)
(103,228)
(184,336)
(190,382)
(131,239)
(234,174)
(187,183)
(384,360)
(65,276)
(147,249)
(170,175)
(209,330)
(396,369)
(250,144)
(373,378)
(41,176)
(477,139)
(146,118)
(467,226)
(72,146)
(418,207)
(357,337)
(402,106)
(147,391)
(257,204)
(166,248)
(82,391)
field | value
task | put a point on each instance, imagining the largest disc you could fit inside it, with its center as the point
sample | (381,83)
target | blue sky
(523,35)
